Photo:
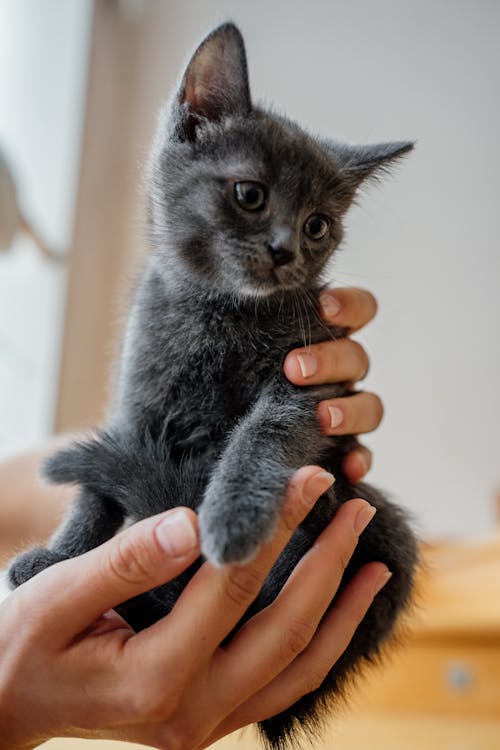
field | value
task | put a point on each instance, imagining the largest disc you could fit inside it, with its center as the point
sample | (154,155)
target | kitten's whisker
(302,328)
(282,299)
(303,302)
(299,315)
(318,317)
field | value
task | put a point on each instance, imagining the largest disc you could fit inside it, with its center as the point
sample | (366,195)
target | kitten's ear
(362,162)
(215,84)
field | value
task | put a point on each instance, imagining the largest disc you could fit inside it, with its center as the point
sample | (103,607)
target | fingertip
(357,464)
(317,485)
(372,577)
(298,366)
(308,484)
(301,475)
(177,532)
(331,416)
(355,307)
(360,591)
(373,301)
(383,578)
(330,305)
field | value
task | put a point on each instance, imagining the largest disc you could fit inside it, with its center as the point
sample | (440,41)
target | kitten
(245,209)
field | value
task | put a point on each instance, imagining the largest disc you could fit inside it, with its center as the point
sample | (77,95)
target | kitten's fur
(203,415)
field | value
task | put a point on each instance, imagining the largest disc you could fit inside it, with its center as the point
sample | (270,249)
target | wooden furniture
(452,657)
(369,732)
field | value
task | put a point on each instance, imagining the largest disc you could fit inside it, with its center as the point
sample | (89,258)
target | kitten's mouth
(270,279)
(288,278)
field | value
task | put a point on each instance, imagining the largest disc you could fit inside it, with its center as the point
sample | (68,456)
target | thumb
(147,554)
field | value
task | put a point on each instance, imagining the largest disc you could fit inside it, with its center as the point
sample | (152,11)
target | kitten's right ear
(214,85)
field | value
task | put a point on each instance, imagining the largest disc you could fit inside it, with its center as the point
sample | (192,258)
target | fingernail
(176,533)
(317,485)
(307,364)
(363,464)
(386,576)
(329,304)
(363,518)
(336,416)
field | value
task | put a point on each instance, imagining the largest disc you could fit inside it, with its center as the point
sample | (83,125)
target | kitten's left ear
(215,83)
(361,162)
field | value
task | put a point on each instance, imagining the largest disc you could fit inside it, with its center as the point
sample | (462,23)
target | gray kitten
(245,209)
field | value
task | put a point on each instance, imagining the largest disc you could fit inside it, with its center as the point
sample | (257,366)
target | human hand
(338,361)
(71,667)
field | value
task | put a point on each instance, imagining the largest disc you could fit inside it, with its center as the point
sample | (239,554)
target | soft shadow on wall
(424,242)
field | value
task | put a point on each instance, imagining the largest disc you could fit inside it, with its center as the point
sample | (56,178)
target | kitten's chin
(257,291)
(262,289)
(265,282)
(279,280)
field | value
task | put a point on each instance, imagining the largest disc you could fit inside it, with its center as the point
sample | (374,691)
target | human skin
(343,360)
(30,510)
(72,665)
(79,670)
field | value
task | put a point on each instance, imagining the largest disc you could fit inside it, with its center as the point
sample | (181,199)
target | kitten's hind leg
(92,520)
(30,563)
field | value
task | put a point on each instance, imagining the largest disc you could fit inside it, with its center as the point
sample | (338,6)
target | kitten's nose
(280,255)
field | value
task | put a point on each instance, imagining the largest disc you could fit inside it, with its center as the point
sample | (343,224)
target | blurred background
(81,82)
(80,86)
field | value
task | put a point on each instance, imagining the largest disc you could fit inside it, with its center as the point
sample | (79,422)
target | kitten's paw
(232,536)
(30,563)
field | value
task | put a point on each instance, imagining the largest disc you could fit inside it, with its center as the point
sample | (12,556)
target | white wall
(426,242)
(43,66)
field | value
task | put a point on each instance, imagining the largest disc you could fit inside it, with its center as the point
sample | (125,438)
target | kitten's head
(243,199)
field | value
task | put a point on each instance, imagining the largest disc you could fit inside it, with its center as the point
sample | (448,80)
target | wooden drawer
(451,678)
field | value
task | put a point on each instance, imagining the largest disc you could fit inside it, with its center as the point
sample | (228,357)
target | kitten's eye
(316,227)
(250,195)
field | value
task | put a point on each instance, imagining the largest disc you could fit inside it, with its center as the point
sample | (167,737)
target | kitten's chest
(219,357)
(196,368)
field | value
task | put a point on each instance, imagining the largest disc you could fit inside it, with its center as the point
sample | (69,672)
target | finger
(350,415)
(357,463)
(269,642)
(309,668)
(326,362)
(146,555)
(108,622)
(351,308)
(216,598)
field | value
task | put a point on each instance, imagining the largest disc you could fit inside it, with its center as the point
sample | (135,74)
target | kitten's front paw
(30,563)
(232,535)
